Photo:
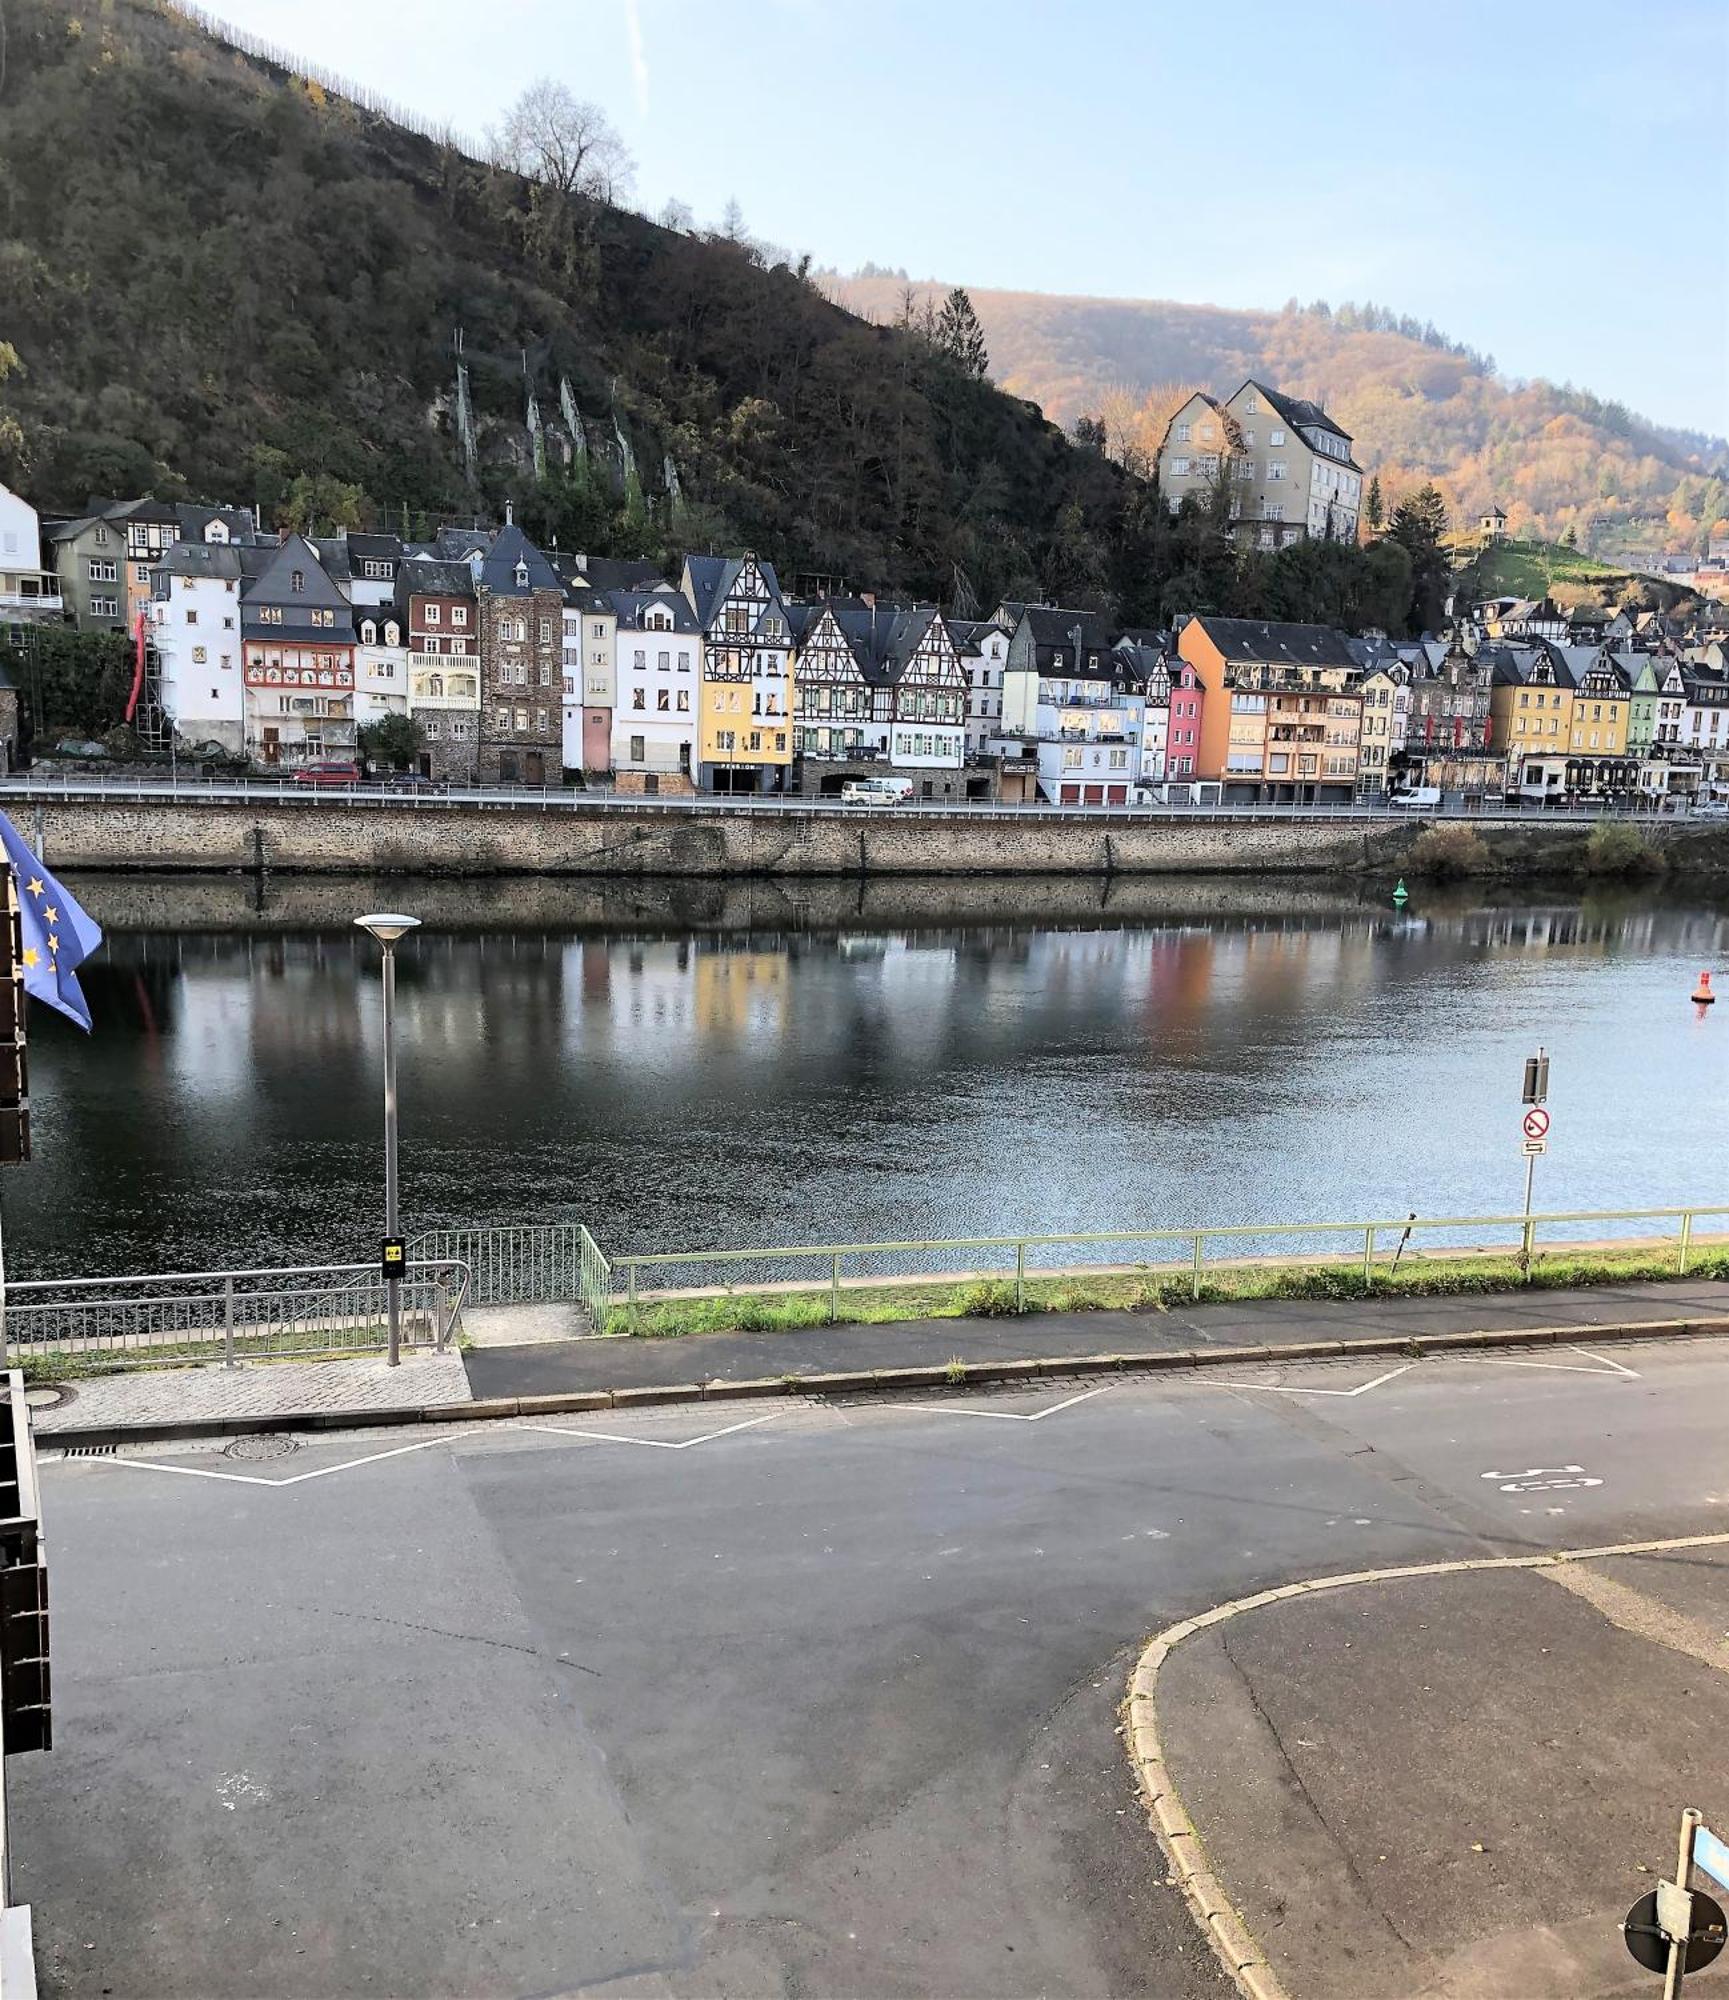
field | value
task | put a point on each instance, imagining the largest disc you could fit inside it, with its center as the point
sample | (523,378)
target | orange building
(1282,721)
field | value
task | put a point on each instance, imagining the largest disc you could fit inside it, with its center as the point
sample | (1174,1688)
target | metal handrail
(633,1264)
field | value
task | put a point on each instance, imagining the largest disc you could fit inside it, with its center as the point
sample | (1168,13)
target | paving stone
(256,1389)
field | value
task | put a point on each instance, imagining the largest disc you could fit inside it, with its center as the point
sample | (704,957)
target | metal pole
(393,1283)
(1525,1240)
(228,1322)
(1683,1874)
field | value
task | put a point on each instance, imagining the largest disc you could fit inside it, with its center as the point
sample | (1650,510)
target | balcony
(31,590)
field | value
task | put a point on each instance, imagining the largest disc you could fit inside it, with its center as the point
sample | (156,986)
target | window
(664,662)
(105,607)
(545,674)
(104,572)
(1248,437)
(1252,404)
(368,632)
(1182,434)
(297,581)
(638,699)
(383,571)
(198,656)
(754,740)
(192,617)
(459,614)
(637,750)
(724,739)
(780,739)
(663,701)
(684,701)
(1277,468)
(100,538)
(504,718)
(270,614)
(1275,437)
(522,719)
(546,631)
(1180,467)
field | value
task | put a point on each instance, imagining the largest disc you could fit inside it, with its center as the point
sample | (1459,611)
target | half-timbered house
(835,703)
(745,718)
(297,651)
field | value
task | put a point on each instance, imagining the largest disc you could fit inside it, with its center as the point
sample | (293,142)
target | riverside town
(475,656)
(863,881)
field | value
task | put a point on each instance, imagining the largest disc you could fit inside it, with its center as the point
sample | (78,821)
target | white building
(192,627)
(658,676)
(380,663)
(984,652)
(28,592)
(1067,696)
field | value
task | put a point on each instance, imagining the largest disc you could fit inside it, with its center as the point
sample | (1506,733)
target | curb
(871,1381)
(1233,1943)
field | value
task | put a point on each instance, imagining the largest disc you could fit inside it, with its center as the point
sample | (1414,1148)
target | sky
(1547,180)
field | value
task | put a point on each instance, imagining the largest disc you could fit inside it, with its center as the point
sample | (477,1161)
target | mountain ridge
(1557,458)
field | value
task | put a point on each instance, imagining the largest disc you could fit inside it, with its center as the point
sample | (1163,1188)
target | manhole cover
(49,1395)
(263,1444)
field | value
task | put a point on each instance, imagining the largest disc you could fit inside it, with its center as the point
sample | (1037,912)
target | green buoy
(1401,895)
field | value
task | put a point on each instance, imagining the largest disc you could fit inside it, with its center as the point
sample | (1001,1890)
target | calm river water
(715,1065)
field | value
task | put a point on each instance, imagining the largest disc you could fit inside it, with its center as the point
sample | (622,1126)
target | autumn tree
(563,142)
(960,335)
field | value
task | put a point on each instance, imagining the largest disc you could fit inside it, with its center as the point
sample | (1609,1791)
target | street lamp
(388,928)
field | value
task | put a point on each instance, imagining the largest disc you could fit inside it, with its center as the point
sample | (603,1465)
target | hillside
(1568,577)
(1419,408)
(230,283)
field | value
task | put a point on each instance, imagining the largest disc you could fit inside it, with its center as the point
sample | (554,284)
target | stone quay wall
(333,838)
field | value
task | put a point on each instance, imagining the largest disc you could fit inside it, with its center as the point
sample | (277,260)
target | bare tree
(551,136)
(676,215)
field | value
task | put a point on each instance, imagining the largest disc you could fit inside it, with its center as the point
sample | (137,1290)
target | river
(709,1065)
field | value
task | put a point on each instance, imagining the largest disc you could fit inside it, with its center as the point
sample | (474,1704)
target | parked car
(412,781)
(332,773)
(1420,798)
(876,791)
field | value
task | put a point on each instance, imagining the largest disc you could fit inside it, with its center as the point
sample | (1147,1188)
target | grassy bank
(1150,1291)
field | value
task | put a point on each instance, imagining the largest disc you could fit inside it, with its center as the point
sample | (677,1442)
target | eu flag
(58,936)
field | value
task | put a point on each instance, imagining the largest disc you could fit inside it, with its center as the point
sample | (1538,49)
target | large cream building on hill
(1289,465)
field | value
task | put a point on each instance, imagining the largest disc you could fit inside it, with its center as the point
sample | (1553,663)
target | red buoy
(1702,993)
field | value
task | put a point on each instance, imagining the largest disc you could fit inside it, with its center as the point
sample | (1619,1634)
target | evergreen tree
(1373,511)
(960,336)
(1419,525)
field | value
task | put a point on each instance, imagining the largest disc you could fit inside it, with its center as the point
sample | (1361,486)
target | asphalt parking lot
(805,1698)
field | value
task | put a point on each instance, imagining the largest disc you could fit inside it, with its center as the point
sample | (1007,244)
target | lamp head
(386,926)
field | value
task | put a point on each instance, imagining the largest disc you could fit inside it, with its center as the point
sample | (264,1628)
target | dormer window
(521,574)
(390,634)
(368,632)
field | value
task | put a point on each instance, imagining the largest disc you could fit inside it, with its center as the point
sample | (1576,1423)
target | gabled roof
(198,560)
(374,548)
(1252,639)
(426,576)
(630,606)
(622,573)
(273,583)
(510,553)
(1295,411)
(1053,627)
(711,580)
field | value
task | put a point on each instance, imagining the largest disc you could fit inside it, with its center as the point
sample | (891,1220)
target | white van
(876,791)
(1420,798)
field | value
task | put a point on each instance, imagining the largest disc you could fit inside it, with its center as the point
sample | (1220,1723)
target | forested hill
(227,283)
(1420,406)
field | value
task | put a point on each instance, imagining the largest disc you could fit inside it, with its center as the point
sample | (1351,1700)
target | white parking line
(1298,1389)
(1007,1416)
(659,1444)
(1607,1367)
(294,1478)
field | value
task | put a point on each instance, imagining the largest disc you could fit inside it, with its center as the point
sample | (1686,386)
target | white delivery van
(876,791)
(1420,798)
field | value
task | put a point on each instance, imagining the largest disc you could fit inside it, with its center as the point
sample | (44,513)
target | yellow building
(1602,706)
(1531,708)
(745,699)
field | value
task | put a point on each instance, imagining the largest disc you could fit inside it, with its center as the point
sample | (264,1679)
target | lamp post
(388,928)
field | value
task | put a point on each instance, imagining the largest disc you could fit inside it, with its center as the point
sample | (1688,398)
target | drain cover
(49,1395)
(89,1451)
(262,1444)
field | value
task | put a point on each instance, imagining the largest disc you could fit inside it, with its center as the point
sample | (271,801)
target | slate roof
(201,559)
(512,550)
(1052,628)
(712,578)
(424,576)
(630,605)
(622,573)
(1253,639)
(1295,411)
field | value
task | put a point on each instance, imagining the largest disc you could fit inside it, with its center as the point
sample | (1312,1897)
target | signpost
(1676,1930)
(1536,1140)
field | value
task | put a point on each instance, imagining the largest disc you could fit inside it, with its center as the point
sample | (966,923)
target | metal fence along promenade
(1194,1254)
(557,798)
(295,1312)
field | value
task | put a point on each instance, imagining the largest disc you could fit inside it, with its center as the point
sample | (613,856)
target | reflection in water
(838,1078)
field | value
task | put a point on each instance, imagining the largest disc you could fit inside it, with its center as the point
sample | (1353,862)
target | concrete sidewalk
(540,1367)
(1455,1787)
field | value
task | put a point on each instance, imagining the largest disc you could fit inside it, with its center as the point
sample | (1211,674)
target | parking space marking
(1543,1479)
(660,1444)
(1303,1389)
(1605,1366)
(294,1478)
(1007,1416)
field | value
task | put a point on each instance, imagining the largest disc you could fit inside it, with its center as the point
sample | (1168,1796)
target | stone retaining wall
(331,838)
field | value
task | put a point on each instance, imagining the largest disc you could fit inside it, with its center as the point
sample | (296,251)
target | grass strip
(1148,1291)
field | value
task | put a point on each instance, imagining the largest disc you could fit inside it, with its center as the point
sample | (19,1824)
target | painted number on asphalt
(1543,1479)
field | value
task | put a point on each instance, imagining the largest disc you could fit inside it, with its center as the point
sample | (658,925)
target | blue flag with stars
(58,936)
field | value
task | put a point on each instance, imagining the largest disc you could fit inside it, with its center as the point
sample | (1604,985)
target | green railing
(618,1282)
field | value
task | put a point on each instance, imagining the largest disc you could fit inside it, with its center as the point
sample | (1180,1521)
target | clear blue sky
(1546,179)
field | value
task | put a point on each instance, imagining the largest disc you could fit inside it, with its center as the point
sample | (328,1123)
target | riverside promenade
(531,1354)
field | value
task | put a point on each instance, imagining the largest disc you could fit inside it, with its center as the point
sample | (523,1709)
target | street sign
(1649,1942)
(1712,1855)
(394,1256)
(1536,1078)
(1534,1148)
(1536,1123)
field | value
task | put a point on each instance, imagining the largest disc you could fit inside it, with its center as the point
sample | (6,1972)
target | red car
(327,774)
